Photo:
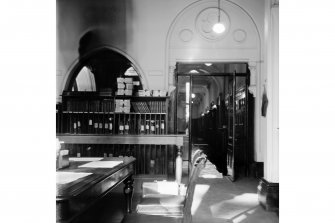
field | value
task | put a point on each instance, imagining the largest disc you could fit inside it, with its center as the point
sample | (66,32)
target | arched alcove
(105,64)
(191,40)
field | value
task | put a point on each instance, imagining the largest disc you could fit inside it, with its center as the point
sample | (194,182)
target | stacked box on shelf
(124,86)
(122,106)
(129,86)
(143,93)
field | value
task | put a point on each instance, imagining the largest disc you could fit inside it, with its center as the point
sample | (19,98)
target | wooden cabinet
(96,113)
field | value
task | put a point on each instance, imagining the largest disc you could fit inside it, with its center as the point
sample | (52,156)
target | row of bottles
(122,124)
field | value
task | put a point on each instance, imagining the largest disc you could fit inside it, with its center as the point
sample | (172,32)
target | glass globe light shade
(219,28)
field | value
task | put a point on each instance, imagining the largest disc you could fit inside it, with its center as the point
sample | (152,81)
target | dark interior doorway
(214,109)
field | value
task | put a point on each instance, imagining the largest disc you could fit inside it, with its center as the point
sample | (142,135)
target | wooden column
(179,165)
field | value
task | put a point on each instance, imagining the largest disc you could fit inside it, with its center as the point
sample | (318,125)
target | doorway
(214,111)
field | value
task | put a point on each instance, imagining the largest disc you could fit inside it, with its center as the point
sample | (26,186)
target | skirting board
(268,195)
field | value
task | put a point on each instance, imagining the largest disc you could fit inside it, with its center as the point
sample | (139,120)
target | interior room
(167,111)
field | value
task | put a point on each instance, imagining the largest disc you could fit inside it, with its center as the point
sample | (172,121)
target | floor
(216,199)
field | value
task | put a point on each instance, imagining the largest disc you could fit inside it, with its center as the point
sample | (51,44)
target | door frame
(191,75)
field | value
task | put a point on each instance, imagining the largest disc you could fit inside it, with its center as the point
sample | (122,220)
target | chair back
(198,165)
(194,160)
(196,154)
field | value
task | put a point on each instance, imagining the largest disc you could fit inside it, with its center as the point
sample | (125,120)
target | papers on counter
(68,177)
(85,159)
(101,164)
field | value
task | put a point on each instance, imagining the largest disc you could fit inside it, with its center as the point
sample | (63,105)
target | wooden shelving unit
(100,130)
(94,113)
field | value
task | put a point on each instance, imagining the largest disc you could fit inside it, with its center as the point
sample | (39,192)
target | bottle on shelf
(106,126)
(75,126)
(126,127)
(121,128)
(111,125)
(90,125)
(162,126)
(100,126)
(96,125)
(152,127)
(147,126)
(142,130)
(78,127)
(157,127)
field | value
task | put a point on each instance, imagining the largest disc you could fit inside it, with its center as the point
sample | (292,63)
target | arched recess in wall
(119,63)
(190,38)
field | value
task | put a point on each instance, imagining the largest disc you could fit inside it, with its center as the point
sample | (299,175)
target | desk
(78,188)
(177,140)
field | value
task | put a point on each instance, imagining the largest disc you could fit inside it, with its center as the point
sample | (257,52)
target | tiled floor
(216,199)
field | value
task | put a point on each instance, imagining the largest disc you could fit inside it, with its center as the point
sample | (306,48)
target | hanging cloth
(265,102)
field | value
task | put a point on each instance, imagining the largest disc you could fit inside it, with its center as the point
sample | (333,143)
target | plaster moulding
(186,35)
(239,35)
(205,21)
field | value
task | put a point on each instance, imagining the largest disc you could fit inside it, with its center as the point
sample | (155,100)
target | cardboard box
(128,92)
(162,93)
(120,85)
(126,109)
(119,92)
(120,80)
(129,86)
(147,93)
(119,109)
(126,103)
(155,93)
(128,80)
(136,83)
(119,102)
(140,93)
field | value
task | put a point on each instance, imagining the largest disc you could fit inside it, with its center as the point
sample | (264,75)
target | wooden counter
(177,140)
(73,197)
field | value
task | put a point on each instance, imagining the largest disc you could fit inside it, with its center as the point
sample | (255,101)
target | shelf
(122,139)
(107,113)
(87,94)
(140,98)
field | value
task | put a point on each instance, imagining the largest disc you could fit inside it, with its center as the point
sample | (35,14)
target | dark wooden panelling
(268,195)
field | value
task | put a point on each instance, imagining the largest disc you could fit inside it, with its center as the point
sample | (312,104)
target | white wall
(270,81)
(138,28)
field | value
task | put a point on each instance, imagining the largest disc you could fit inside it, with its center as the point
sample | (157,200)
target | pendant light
(219,27)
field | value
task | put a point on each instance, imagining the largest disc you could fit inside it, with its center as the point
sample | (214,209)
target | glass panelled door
(230,104)
(238,155)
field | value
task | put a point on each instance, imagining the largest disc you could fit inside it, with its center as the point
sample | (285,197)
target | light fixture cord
(219,11)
